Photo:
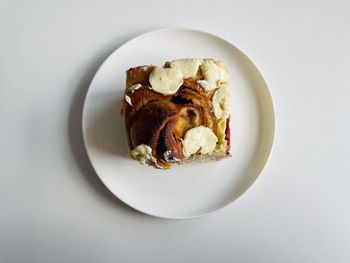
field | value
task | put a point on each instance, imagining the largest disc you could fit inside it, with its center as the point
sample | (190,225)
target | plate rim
(267,91)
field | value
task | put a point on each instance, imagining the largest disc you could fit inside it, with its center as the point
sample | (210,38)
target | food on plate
(178,113)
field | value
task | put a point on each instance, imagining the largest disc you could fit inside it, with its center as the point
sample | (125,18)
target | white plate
(188,190)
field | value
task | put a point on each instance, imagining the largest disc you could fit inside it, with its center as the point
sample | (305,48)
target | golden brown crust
(138,75)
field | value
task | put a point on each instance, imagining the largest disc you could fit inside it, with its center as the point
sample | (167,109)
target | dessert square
(178,113)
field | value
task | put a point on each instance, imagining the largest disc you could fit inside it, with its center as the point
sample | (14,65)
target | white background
(53,208)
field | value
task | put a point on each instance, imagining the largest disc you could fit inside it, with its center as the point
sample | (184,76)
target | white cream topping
(166,80)
(166,156)
(221,102)
(213,75)
(188,66)
(199,139)
(128,100)
(135,87)
(142,153)
(206,84)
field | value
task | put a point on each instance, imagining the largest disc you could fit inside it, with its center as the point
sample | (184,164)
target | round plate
(188,190)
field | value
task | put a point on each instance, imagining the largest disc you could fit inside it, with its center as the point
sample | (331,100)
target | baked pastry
(177,113)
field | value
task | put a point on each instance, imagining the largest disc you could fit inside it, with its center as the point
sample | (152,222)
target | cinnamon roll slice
(177,113)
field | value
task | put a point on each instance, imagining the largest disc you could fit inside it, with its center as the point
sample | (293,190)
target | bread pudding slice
(177,113)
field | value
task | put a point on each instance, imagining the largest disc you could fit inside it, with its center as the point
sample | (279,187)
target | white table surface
(53,208)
